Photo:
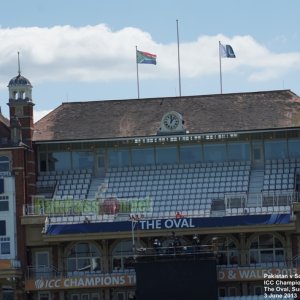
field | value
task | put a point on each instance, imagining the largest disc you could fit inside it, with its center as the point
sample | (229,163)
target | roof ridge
(178,97)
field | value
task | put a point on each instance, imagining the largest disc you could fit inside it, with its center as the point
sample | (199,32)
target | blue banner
(156,224)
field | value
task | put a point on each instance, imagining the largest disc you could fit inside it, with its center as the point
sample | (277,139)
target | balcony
(10,268)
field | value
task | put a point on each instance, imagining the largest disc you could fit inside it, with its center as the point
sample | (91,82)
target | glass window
(43,162)
(83,160)
(2,228)
(238,151)
(266,248)
(228,252)
(118,157)
(4,164)
(5,248)
(276,149)
(59,161)
(83,257)
(143,156)
(4,203)
(190,154)
(4,245)
(214,152)
(294,148)
(123,256)
(1,186)
(166,155)
(8,295)
(44,296)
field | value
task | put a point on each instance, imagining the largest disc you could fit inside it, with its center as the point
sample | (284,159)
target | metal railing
(107,210)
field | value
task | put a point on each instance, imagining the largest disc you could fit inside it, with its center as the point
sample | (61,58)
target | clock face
(171,121)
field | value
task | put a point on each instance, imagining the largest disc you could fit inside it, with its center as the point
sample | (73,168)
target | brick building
(116,178)
(17,186)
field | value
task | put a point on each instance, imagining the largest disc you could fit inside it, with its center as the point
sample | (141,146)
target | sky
(74,50)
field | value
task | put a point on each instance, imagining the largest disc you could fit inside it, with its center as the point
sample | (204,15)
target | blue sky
(74,50)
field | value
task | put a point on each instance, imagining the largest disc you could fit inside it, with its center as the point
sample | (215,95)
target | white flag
(226,51)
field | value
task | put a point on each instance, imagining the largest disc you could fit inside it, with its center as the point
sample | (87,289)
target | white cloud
(96,53)
(38,114)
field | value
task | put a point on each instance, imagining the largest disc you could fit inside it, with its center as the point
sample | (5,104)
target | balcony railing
(9,264)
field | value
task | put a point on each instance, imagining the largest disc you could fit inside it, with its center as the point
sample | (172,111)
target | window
(214,152)
(143,156)
(2,228)
(4,240)
(123,256)
(1,185)
(228,252)
(43,162)
(222,292)
(190,154)
(232,291)
(95,296)
(166,155)
(59,161)
(238,151)
(276,149)
(294,148)
(44,296)
(82,160)
(4,245)
(258,290)
(8,295)
(121,296)
(85,296)
(266,248)
(83,257)
(4,203)
(4,164)
(118,157)
(42,264)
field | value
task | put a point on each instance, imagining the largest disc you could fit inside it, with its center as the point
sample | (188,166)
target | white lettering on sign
(249,273)
(168,223)
(77,282)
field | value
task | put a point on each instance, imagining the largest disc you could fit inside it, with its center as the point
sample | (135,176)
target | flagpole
(178,56)
(137,73)
(221,89)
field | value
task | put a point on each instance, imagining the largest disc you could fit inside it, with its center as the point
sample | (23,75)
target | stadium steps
(94,187)
(256,182)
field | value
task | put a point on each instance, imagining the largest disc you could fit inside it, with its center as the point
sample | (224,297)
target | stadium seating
(188,188)
(280,175)
(197,189)
(69,184)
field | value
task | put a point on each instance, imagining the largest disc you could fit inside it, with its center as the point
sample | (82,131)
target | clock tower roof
(19,80)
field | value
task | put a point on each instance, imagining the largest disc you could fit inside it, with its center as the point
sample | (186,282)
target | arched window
(228,253)
(4,164)
(84,257)
(122,256)
(266,248)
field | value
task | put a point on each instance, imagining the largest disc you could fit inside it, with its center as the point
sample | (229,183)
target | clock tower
(21,106)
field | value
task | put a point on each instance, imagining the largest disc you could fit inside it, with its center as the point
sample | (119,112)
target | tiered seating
(46,184)
(188,188)
(280,175)
(69,184)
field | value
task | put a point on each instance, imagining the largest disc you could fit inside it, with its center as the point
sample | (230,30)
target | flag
(226,51)
(145,58)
